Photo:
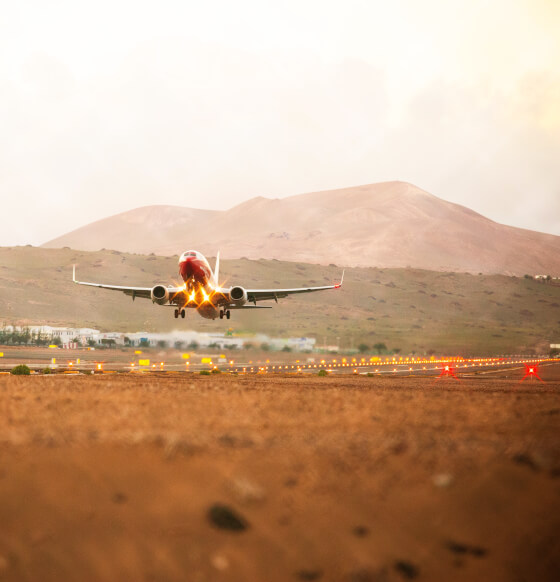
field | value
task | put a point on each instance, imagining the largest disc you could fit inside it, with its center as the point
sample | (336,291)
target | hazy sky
(110,105)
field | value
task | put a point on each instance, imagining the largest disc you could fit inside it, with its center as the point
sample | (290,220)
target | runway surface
(173,361)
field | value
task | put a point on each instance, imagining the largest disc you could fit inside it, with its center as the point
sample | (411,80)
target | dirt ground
(268,478)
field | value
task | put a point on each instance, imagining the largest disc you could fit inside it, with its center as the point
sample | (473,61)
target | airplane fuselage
(200,285)
(194,268)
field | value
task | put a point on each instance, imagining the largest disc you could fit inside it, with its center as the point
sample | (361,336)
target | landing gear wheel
(176,313)
(183,313)
(221,313)
(228,313)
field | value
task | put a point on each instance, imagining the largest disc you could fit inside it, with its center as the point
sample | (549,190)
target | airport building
(66,336)
(69,337)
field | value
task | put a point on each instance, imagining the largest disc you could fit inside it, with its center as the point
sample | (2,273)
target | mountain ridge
(389,224)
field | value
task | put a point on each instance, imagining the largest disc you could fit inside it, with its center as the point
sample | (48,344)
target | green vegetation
(380,348)
(23,337)
(322,373)
(418,311)
(108,343)
(216,371)
(21,370)
(204,372)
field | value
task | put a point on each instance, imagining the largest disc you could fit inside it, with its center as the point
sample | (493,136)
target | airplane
(201,290)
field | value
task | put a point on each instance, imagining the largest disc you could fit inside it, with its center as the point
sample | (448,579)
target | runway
(153,360)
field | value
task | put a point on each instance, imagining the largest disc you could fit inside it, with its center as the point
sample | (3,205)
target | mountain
(142,230)
(391,224)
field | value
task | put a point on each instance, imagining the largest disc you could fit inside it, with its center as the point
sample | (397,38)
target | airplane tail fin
(217,269)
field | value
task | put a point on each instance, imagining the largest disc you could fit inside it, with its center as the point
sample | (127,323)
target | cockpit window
(188,255)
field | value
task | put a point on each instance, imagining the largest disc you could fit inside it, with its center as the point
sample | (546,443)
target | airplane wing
(254,295)
(144,292)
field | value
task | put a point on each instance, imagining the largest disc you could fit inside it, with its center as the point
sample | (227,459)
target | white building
(76,337)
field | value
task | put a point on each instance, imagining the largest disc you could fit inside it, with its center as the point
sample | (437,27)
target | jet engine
(160,295)
(238,295)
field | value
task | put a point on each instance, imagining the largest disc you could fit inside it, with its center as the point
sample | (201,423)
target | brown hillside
(391,224)
(414,310)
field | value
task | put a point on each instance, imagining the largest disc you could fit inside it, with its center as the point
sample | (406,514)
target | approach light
(532,371)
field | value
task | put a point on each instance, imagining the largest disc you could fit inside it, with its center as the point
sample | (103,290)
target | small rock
(309,574)
(399,447)
(523,459)
(458,548)
(478,551)
(223,517)
(442,480)
(119,497)
(406,569)
(360,531)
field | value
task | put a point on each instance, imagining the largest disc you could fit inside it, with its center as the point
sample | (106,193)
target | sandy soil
(279,478)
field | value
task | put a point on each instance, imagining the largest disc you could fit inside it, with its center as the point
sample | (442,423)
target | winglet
(338,285)
(74,273)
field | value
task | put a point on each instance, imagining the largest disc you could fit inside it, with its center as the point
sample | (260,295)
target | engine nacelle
(160,295)
(238,295)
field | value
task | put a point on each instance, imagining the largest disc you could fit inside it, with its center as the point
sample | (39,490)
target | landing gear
(176,313)
(179,312)
(228,313)
(225,312)
(183,313)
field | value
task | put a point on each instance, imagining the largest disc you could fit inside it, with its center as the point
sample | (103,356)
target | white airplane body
(201,290)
